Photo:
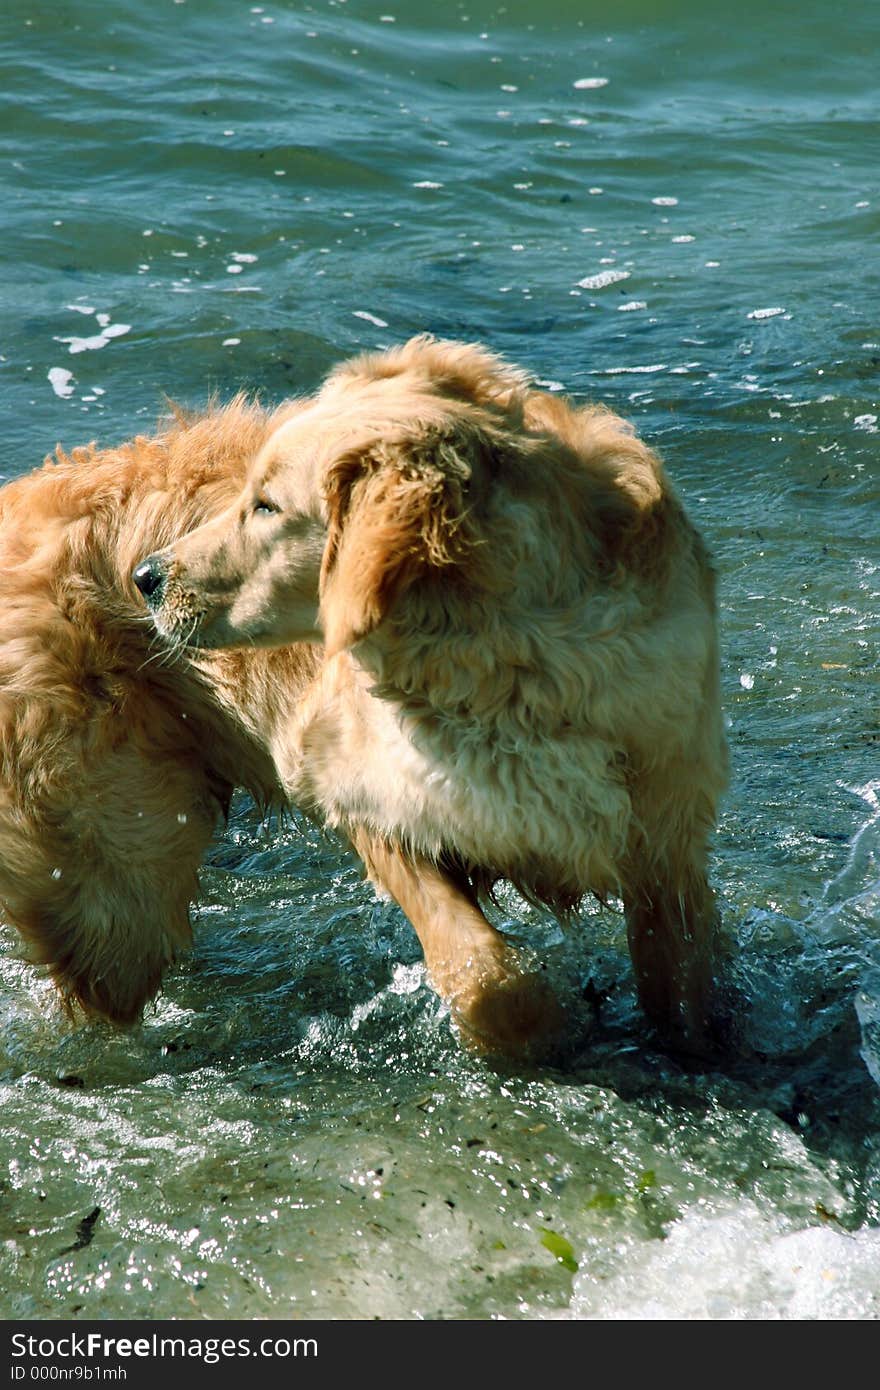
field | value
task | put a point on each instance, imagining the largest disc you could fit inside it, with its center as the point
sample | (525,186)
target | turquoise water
(671,212)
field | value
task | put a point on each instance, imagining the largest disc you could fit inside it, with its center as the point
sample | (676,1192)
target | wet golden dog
(519,670)
(115,762)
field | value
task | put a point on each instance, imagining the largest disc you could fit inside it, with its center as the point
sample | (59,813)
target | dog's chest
(494,795)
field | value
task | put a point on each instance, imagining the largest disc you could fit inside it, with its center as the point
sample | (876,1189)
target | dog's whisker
(170,651)
(156,657)
(163,655)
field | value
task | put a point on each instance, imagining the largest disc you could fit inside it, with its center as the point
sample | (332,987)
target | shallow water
(679,218)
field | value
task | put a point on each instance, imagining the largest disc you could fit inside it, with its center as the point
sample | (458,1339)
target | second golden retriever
(115,763)
(519,671)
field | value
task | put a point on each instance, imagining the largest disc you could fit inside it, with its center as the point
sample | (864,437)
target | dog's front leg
(499,1006)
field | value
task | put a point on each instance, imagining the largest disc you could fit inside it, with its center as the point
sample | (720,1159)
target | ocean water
(656,206)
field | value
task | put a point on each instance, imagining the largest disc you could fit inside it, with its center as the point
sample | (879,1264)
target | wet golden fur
(520,671)
(116,761)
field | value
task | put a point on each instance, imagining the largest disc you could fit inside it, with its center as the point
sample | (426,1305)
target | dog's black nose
(150,578)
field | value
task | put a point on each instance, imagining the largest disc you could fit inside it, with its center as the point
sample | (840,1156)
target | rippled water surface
(679,216)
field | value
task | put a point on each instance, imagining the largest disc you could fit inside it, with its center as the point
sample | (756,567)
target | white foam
(604,277)
(631,371)
(60,379)
(590,83)
(85,344)
(97,340)
(738,1264)
(370,318)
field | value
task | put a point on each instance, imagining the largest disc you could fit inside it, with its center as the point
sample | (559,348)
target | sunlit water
(680,218)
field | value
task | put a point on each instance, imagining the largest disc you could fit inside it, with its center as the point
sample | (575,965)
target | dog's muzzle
(150,577)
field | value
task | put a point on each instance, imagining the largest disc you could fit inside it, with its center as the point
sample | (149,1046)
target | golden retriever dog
(514,672)
(116,761)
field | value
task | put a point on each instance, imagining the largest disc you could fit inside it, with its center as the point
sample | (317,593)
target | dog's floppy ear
(398,509)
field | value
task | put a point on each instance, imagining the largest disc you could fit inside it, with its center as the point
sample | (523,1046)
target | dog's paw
(516,1016)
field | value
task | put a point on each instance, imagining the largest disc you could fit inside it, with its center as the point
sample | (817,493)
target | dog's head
(371,485)
(248,576)
(430,466)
